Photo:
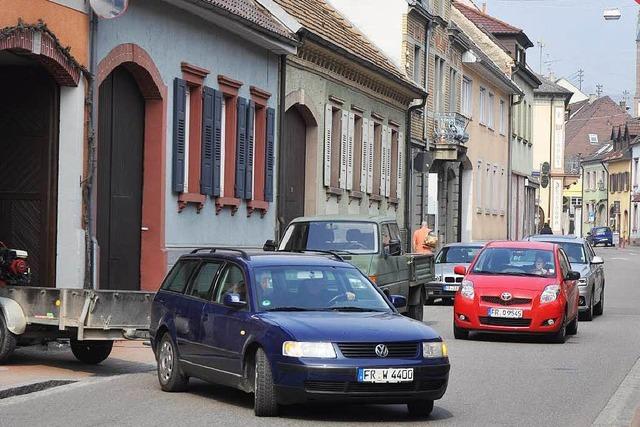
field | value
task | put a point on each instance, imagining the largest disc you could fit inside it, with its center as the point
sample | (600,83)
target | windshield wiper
(354,309)
(290,309)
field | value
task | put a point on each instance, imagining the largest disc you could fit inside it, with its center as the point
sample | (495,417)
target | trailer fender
(13,316)
(415,294)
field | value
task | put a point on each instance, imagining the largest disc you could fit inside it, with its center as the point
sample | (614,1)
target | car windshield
(339,236)
(316,288)
(457,254)
(575,252)
(599,231)
(516,262)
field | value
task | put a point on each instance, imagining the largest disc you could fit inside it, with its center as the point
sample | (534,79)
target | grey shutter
(400,165)
(365,155)
(328,123)
(370,166)
(248,183)
(206,158)
(383,162)
(344,142)
(217,142)
(350,145)
(179,137)
(241,148)
(269,155)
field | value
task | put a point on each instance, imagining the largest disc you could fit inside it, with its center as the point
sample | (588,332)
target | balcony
(450,135)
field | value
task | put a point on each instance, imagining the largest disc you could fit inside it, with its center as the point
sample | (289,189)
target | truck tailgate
(421,268)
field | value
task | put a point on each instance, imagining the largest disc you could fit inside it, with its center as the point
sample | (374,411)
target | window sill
(482,124)
(479,210)
(394,201)
(491,128)
(375,198)
(185,198)
(356,195)
(334,191)
(230,202)
(257,205)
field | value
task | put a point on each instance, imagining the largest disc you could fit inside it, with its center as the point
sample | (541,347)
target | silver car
(584,260)
(446,282)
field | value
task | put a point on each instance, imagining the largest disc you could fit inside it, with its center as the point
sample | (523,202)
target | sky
(574,33)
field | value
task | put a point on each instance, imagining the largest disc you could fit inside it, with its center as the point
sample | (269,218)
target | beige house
(549,107)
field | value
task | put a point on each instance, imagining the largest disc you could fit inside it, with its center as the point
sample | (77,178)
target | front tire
(7,341)
(170,376)
(91,352)
(417,311)
(561,336)
(598,309)
(460,333)
(265,403)
(572,327)
(420,408)
(588,315)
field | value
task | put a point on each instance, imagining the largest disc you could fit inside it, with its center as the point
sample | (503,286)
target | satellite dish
(109,9)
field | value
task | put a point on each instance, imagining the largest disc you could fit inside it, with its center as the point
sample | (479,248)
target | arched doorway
(294,164)
(120,180)
(28,162)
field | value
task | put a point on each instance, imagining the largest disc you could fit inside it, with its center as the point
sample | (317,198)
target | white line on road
(619,259)
(622,405)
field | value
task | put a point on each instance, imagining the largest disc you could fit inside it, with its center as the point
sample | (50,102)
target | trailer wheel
(7,340)
(91,352)
(416,311)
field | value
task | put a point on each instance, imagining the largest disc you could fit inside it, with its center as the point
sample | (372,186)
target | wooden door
(294,152)
(28,167)
(120,160)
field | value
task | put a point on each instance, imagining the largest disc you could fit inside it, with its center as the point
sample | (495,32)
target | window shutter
(344,142)
(217,142)
(206,161)
(352,126)
(365,155)
(400,165)
(328,123)
(388,166)
(370,165)
(270,158)
(241,148)
(383,162)
(179,136)
(248,183)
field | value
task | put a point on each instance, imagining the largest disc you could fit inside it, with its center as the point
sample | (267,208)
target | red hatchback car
(518,287)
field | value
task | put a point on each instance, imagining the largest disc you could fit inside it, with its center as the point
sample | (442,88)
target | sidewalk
(32,365)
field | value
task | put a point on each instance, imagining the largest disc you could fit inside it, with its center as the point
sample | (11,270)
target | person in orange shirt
(419,235)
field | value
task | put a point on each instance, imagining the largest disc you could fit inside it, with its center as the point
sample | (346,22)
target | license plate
(450,288)
(510,313)
(390,375)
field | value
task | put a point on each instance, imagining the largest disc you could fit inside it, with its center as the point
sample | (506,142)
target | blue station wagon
(292,328)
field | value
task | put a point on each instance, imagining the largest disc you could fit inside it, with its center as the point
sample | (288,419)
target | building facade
(45,83)
(595,190)
(618,163)
(635,192)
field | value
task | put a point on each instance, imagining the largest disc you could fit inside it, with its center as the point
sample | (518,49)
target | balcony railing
(450,128)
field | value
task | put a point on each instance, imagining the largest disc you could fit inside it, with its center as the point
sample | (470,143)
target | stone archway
(139,64)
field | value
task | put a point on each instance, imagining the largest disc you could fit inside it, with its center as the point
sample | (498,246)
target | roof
(252,14)
(318,17)
(597,117)
(265,258)
(599,153)
(519,245)
(492,25)
(346,218)
(550,87)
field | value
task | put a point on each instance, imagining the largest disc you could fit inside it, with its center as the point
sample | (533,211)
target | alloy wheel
(165,362)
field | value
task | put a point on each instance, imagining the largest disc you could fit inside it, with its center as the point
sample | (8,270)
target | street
(495,380)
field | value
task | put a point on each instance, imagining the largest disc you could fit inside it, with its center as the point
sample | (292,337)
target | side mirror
(398,301)
(270,246)
(588,233)
(572,275)
(460,270)
(233,300)
(597,260)
(395,248)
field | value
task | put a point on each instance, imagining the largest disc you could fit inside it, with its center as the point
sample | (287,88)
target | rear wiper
(290,309)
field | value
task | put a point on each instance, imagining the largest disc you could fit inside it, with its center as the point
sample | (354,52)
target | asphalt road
(495,380)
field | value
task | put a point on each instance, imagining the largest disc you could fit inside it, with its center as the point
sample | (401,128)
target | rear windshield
(575,252)
(600,231)
(352,237)
(516,262)
(457,255)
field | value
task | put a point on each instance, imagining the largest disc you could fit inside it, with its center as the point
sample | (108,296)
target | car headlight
(434,350)
(466,289)
(308,349)
(582,282)
(438,278)
(550,294)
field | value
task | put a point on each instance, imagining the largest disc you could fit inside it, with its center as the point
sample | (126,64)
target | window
(490,121)
(576,201)
(453,90)
(232,282)
(593,138)
(636,170)
(416,64)
(438,85)
(479,187)
(487,193)
(336,142)
(483,106)
(529,122)
(359,155)
(467,99)
(179,275)
(396,166)
(503,115)
(202,284)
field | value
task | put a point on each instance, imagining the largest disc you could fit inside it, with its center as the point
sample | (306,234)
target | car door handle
(205,317)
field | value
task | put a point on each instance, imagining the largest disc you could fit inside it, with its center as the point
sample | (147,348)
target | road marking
(621,407)
(619,259)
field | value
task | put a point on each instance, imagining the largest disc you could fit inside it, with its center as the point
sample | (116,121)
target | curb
(622,409)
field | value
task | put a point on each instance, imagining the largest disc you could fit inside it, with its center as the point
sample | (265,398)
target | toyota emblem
(382,350)
(506,296)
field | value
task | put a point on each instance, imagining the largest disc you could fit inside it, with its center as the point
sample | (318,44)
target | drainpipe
(551,155)
(90,274)
(607,207)
(582,195)
(509,168)
(409,172)
(282,70)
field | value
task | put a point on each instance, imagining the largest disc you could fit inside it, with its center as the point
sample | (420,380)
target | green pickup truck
(371,243)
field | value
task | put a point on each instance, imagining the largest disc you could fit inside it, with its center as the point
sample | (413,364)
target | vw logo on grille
(382,350)
(506,296)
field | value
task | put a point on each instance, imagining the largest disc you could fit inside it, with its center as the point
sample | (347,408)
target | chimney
(592,97)
(623,104)
(484,7)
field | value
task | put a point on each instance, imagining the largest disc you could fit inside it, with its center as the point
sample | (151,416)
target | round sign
(109,9)
(544,181)
(546,167)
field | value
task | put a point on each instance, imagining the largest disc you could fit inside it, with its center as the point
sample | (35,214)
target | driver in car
(316,294)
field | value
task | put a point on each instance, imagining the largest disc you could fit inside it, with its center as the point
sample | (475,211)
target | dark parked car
(292,328)
(600,236)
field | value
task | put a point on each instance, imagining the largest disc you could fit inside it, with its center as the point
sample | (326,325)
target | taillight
(19,266)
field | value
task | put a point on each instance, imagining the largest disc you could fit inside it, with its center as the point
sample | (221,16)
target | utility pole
(580,78)
(541,45)
(599,90)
